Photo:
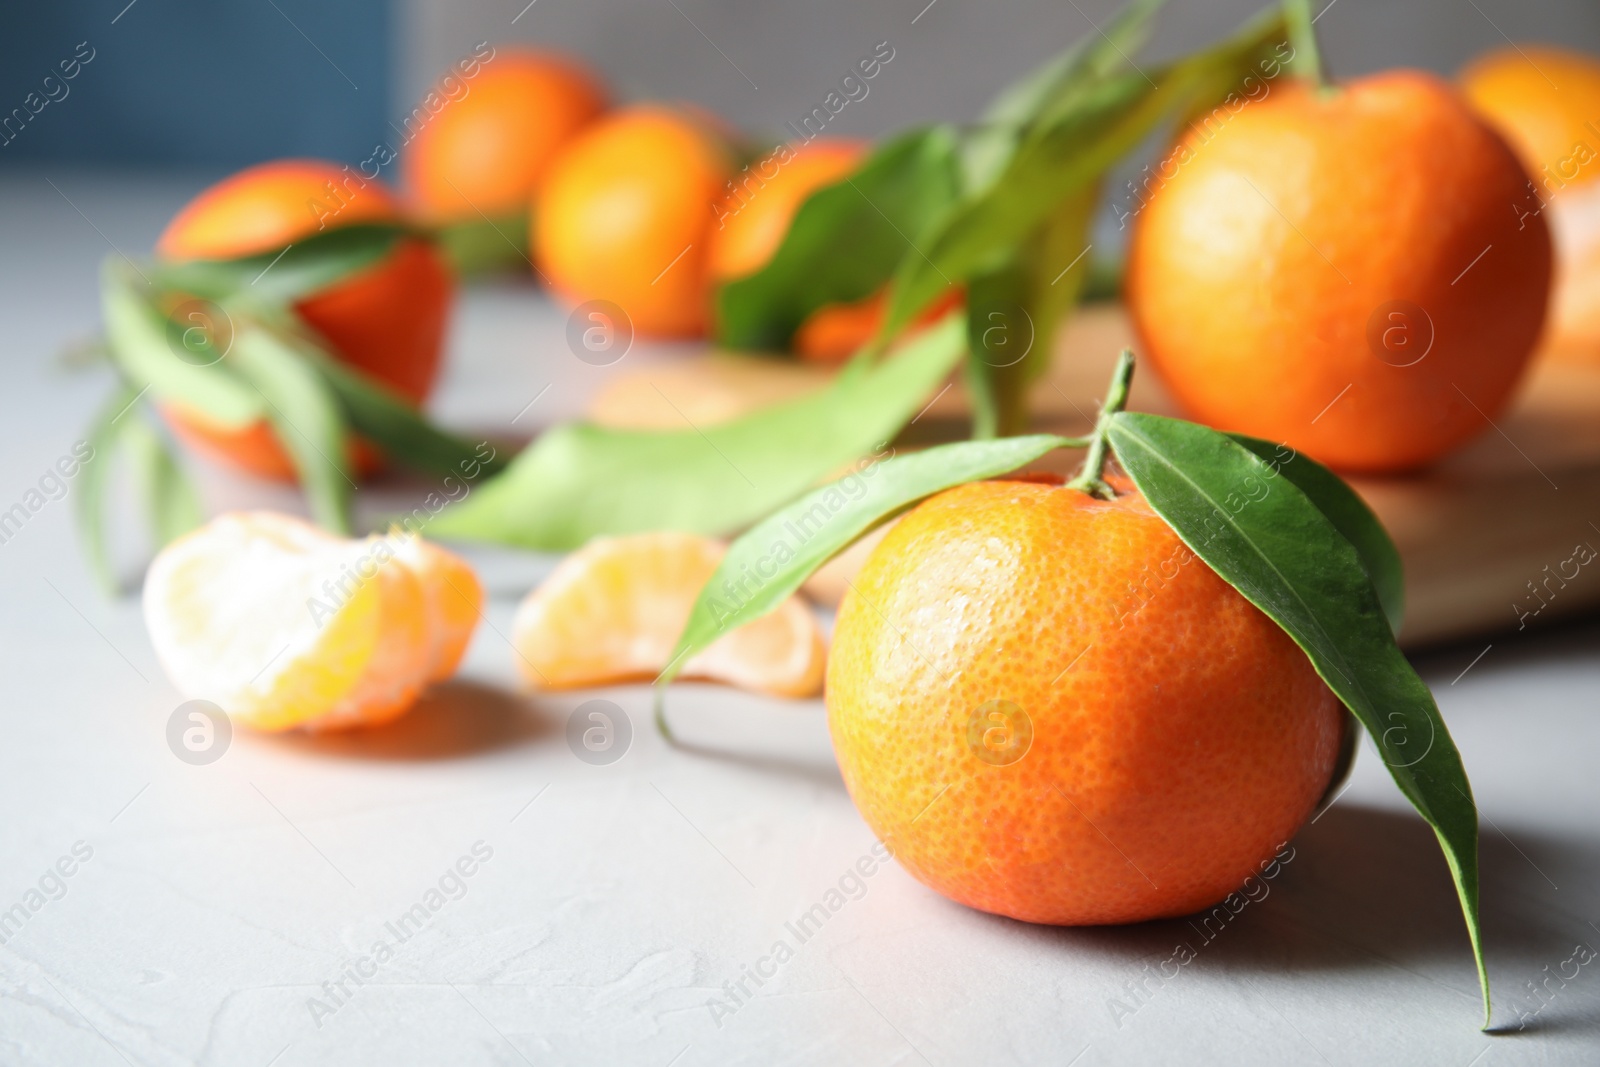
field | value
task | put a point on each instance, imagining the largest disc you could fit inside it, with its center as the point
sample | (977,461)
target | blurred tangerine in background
(387,321)
(625,214)
(496,133)
(1546,101)
(755,216)
(1341,270)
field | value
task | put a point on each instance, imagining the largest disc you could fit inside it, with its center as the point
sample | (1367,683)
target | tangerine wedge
(612,611)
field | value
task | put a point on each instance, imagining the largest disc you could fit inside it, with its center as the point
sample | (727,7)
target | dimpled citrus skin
(1260,269)
(1170,754)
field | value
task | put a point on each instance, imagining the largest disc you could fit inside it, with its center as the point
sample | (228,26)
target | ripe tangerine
(484,153)
(1049,708)
(1342,270)
(1546,101)
(387,320)
(625,214)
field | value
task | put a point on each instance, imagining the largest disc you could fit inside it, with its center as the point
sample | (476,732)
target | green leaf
(171,502)
(1270,541)
(1349,515)
(480,245)
(285,275)
(579,481)
(1082,132)
(1013,312)
(825,521)
(845,240)
(388,420)
(990,146)
(121,430)
(145,345)
(94,479)
(305,418)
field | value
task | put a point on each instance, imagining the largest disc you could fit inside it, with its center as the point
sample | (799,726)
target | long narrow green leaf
(305,417)
(377,413)
(1269,540)
(1070,146)
(172,505)
(142,341)
(1013,312)
(287,274)
(775,557)
(579,481)
(94,479)
(1349,515)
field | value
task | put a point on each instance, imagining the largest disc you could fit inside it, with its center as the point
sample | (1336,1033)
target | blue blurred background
(194,81)
(217,84)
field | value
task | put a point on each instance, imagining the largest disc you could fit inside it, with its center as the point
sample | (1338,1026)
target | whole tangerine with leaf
(386,318)
(1340,268)
(1113,699)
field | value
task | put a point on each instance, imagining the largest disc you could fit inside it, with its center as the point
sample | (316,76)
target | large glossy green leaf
(145,345)
(1269,540)
(1349,515)
(1085,128)
(579,481)
(305,418)
(845,240)
(286,274)
(784,549)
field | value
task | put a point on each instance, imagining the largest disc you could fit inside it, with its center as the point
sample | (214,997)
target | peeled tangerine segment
(283,625)
(613,610)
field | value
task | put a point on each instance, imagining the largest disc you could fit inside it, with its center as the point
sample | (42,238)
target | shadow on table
(451,721)
(1368,889)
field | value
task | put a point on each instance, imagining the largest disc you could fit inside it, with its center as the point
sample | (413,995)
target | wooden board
(1478,533)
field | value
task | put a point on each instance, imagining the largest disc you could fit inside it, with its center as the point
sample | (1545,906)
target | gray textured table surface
(216,914)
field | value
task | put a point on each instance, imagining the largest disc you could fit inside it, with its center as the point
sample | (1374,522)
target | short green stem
(1091,479)
(1307,61)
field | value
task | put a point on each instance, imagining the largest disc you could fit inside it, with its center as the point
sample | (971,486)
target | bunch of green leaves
(219,342)
(1000,211)
(1306,551)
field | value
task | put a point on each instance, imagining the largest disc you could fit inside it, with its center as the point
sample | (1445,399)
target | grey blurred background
(216,85)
